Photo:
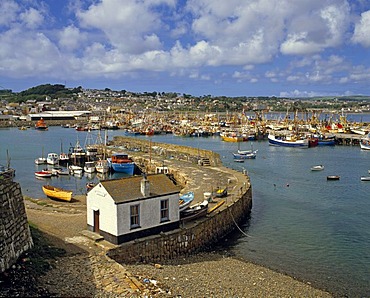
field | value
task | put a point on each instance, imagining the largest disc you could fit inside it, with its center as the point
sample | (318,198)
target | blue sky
(288,48)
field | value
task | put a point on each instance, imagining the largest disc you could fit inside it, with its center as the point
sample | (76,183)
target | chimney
(145,186)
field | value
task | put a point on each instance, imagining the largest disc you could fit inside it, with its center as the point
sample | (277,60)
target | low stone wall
(189,239)
(15,235)
(168,151)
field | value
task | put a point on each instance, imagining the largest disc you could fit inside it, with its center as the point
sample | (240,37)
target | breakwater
(15,235)
(192,236)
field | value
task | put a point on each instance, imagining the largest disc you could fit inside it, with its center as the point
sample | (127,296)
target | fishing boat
(57,193)
(365,142)
(288,141)
(77,154)
(52,158)
(89,167)
(102,166)
(43,174)
(121,163)
(232,137)
(41,125)
(326,140)
(195,211)
(317,168)
(185,200)
(75,170)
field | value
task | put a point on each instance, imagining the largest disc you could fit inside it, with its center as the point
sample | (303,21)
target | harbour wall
(15,235)
(187,240)
(192,236)
(168,151)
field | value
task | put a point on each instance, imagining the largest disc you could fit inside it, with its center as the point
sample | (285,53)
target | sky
(285,48)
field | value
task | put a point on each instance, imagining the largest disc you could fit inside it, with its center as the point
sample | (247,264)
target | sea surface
(315,230)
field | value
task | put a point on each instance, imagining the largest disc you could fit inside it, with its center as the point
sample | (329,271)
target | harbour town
(179,201)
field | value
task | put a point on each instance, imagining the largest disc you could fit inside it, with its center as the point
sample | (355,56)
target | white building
(126,209)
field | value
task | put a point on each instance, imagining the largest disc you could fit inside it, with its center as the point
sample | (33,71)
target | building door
(96,221)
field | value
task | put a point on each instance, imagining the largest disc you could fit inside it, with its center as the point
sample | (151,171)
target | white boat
(40,160)
(287,141)
(102,166)
(317,168)
(75,170)
(365,142)
(52,158)
(59,171)
(89,167)
(365,178)
(43,174)
(185,200)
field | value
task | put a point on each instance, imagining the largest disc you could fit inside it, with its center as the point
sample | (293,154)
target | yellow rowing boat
(57,193)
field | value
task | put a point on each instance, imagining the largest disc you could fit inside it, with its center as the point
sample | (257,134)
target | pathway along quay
(90,271)
(200,171)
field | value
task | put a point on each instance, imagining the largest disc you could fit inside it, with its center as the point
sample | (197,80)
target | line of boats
(336,177)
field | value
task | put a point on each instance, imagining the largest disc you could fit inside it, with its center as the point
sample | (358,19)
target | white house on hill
(126,209)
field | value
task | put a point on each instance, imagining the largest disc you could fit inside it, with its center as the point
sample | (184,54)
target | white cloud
(71,38)
(36,56)
(9,10)
(320,28)
(131,27)
(362,30)
(32,18)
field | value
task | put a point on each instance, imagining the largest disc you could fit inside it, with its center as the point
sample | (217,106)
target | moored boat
(317,168)
(41,125)
(40,160)
(52,158)
(365,142)
(121,163)
(288,141)
(102,166)
(57,193)
(365,178)
(333,177)
(195,211)
(89,167)
(185,200)
(250,155)
(43,174)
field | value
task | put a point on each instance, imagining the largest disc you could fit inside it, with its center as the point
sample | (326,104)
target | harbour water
(301,224)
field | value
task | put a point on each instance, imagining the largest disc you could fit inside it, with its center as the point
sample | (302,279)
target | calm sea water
(301,224)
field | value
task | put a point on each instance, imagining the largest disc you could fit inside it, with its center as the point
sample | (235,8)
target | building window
(164,210)
(134,216)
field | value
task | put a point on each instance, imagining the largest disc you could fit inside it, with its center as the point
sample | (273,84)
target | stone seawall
(187,240)
(169,151)
(15,235)
(192,236)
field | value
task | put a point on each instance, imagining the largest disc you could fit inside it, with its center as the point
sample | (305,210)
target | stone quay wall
(15,235)
(192,236)
(187,240)
(168,151)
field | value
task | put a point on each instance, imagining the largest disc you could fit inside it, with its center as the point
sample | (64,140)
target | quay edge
(193,236)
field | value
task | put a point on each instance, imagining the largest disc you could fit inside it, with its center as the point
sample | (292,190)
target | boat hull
(294,144)
(127,168)
(57,193)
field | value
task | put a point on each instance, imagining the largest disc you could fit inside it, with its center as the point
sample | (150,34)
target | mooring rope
(241,231)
